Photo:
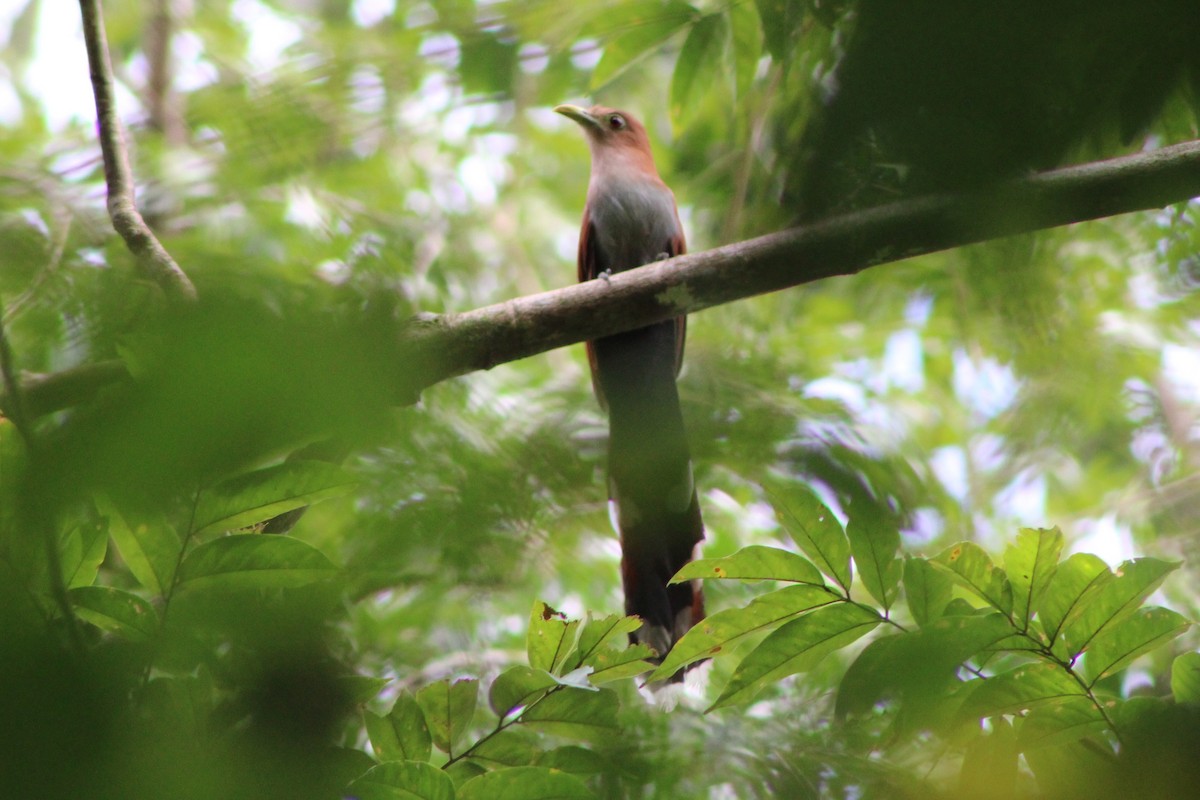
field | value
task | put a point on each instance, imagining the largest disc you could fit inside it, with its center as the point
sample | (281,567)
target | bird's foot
(662,256)
(605,276)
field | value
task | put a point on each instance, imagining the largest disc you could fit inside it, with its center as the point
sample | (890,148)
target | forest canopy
(302,495)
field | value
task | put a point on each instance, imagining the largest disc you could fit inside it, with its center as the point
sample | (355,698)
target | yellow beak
(578,114)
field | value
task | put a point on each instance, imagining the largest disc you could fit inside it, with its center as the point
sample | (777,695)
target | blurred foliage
(324,170)
(932,94)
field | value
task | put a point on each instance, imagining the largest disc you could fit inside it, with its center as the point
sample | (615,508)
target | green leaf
(516,686)
(383,736)
(1030,563)
(551,637)
(254,561)
(82,553)
(698,67)
(779,19)
(973,568)
(464,770)
(22,34)
(816,531)
(716,633)
(340,766)
(1108,602)
(613,666)
(262,494)
(508,748)
(961,607)
(115,610)
(187,700)
(989,765)
(575,760)
(1054,724)
(401,735)
(362,688)
(1118,644)
(1185,678)
(598,635)
(874,543)
(487,64)
(402,780)
(575,713)
(1074,578)
(448,709)
(753,563)
(746,41)
(525,783)
(598,648)
(928,590)
(1020,689)
(643,25)
(795,647)
(919,667)
(149,549)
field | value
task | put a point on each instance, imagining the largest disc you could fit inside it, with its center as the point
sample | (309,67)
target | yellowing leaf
(754,563)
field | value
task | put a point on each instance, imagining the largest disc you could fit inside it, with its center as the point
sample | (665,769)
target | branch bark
(153,260)
(841,245)
(43,393)
(162,101)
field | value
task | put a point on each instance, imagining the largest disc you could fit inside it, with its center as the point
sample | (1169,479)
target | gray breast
(634,225)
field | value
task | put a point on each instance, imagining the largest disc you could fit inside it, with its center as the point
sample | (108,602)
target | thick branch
(46,393)
(154,262)
(841,245)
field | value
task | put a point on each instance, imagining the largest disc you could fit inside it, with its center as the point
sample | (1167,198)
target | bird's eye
(616,121)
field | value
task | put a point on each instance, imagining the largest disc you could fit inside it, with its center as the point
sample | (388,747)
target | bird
(630,219)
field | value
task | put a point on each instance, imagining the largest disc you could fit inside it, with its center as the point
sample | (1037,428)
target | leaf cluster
(1013,659)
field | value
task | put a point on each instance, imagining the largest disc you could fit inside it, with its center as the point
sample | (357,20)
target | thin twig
(504,723)
(153,260)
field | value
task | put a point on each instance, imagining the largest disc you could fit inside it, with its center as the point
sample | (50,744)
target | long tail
(650,481)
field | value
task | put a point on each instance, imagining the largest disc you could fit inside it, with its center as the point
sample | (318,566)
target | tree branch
(842,245)
(437,347)
(153,260)
(43,394)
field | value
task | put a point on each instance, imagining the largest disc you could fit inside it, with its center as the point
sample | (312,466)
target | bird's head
(611,132)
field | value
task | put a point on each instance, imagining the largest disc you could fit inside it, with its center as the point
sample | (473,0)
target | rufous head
(619,144)
(608,127)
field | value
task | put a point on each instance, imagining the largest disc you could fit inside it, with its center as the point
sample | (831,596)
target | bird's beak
(578,114)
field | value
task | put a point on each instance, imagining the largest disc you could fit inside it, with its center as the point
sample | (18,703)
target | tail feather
(650,482)
(667,611)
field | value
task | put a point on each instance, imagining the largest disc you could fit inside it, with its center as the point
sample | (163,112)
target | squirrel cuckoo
(630,219)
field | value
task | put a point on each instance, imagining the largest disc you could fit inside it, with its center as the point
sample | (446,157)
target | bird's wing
(677,247)
(587,250)
(589,269)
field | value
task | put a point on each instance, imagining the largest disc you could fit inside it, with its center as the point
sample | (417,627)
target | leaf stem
(502,725)
(169,592)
